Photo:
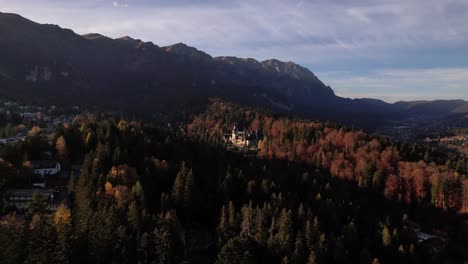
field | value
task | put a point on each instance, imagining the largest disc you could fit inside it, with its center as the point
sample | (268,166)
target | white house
(45,167)
(21,198)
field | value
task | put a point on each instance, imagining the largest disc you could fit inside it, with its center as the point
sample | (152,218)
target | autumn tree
(61,147)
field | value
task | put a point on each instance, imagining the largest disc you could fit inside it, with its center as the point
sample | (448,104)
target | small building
(12,140)
(19,199)
(433,243)
(45,167)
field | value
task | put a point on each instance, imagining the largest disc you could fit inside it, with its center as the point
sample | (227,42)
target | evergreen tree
(299,254)
(259,222)
(63,244)
(189,193)
(145,248)
(164,245)
(12,240)
(236,251)
(133,216)
(223,226)
(38,204)
(178,187)
(312,258)
(233,218)
(284,235)
(386,237)
(40,239)
(246,227)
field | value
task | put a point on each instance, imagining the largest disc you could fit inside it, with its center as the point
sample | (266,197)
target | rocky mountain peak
(290,69)
(185,50)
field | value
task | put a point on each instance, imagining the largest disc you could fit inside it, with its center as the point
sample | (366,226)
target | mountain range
(43,63)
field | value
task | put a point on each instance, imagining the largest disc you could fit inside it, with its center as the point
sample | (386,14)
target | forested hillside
(172,193)
(401,171)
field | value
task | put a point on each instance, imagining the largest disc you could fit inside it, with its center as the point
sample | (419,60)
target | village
(46,177)
(49,180)
(457,142)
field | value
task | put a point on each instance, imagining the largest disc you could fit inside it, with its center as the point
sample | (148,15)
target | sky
(390,50)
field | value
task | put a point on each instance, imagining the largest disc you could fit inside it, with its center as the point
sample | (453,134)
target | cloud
(358,15)
(366,24)
(117,4)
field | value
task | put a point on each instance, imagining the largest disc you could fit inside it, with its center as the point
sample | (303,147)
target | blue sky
(391,50)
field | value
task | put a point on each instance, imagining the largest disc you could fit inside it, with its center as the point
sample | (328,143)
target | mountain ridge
(45,62)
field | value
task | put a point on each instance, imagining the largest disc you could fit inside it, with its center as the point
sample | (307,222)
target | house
(433,243)
(45,167)
(12,140)
(19,199)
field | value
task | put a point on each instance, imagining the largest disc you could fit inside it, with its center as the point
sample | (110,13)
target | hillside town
(456,142)
(22,125)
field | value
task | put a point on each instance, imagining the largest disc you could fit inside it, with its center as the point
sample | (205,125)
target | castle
(243,138)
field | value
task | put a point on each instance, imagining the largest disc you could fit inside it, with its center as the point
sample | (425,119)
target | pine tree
(102,232)
(38,204)
(259,222)
(137,189)
(312,232)
(427,157)
(386,237)
(401,250)
(116,159)
(12,240)
(246,221)
(63,244)
(145,248)
(284,235)
(71,184)
(272,242)
(301,214)
(133,216)
(178,187)
(122,246)
(309,235)
(164,244)
(233,218)
(312,258)
(236,251)
(351,237)
(82,204)
(223,226)
(188,193)
(40,238)
(299,253)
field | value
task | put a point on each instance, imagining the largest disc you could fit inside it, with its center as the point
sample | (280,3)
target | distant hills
(46,63)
